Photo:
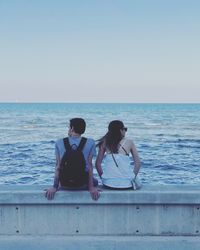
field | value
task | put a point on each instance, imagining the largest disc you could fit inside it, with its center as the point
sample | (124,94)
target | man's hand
(50,193)
(94,193)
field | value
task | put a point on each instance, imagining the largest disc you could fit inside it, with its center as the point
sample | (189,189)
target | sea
(167,137)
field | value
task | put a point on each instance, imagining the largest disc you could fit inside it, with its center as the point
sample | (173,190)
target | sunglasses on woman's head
(125,129)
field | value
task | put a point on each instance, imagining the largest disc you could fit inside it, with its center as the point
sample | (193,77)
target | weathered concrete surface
(150,194)
(142,219)
(99,243)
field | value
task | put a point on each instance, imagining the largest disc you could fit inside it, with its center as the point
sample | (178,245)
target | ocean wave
(188,146)
(189,140)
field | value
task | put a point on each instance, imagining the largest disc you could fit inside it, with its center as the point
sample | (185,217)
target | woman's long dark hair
(113,136)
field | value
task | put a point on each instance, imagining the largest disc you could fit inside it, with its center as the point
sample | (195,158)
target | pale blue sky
(100,51)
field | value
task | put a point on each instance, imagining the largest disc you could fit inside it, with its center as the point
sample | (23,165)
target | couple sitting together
(74,154)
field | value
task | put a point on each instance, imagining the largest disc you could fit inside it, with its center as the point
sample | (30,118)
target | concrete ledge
(167,210)
(150,194)
(99,243)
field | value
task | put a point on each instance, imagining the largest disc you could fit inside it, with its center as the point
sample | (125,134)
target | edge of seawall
(154,217)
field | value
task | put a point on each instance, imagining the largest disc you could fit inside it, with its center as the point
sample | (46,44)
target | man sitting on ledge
(74,169)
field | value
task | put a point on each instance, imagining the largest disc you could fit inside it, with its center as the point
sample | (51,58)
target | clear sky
(100,50)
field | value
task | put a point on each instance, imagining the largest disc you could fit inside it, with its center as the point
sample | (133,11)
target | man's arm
(51,191)
(93,191)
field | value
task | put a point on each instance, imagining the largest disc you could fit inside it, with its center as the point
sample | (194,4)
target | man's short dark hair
(78,125)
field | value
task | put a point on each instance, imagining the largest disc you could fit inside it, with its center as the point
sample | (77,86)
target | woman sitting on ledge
(117,171)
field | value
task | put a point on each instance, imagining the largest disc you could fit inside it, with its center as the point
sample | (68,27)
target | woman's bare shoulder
(128,141)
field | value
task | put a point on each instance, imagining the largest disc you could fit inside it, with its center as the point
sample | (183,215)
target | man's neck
(75,135)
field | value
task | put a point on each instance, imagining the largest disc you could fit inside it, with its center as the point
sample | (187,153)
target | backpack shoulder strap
(82,143)
(66,143)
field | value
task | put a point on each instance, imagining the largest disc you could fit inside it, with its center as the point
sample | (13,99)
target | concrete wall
(119,219)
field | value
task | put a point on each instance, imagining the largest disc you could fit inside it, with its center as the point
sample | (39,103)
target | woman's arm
(99,159)
(137,163)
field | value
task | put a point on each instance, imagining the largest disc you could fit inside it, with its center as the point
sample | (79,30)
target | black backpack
(73,165)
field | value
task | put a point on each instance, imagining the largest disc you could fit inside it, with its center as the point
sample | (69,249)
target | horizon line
(60,102)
